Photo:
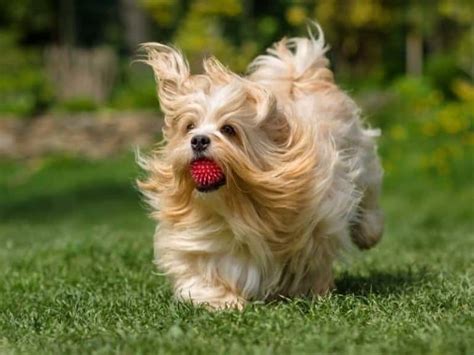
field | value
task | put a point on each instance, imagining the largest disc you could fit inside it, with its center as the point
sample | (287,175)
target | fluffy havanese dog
(262,180)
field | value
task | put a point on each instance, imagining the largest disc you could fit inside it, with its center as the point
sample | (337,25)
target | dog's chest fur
(248,264)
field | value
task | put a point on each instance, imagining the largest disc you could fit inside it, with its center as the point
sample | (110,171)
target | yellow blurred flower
(218,7)
(425,162)
(429,129)
(366,12)
(452,119)
(388,166)
(443,168)
(440,161)
(455,151)
(398,133)
(468,138)
(296,15)
(161,10)
(463,89)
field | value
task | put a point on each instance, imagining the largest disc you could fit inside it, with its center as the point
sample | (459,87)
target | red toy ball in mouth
(207,175)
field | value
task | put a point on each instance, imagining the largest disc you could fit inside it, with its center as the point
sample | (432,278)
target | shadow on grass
(89,200)
(381,282)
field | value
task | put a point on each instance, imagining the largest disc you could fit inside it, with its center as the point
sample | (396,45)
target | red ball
(207,173)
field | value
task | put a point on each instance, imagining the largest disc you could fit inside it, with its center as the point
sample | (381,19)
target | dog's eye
(189,127)
(228,130)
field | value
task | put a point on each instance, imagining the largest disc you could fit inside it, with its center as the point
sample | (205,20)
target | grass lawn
(76,275)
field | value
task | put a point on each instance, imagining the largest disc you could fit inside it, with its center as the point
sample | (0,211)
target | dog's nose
(200,142)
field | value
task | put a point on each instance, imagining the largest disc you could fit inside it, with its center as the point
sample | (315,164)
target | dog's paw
(368,231)
(229,301)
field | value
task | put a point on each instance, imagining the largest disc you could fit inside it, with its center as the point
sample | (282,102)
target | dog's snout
(200,142)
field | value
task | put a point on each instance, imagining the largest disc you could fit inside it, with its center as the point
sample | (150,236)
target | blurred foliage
(368,39)
(77,104)
(427,120)
(425,131)
(24,89)
(136,89)
(27,20)
(210,27)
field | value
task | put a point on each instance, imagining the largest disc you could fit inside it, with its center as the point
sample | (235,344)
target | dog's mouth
(207,174)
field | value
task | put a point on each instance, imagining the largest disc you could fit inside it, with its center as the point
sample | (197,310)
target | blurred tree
(29,21)
(356,31)
(373,41)
(67,23)
(434,26)
(436,30)
(136,24)
(232,30)
(461,14)
(217,27)
(365,34)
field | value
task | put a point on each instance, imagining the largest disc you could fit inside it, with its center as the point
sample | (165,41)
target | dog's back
(296,71)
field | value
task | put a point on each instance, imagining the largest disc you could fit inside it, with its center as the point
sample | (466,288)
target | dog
(262,181)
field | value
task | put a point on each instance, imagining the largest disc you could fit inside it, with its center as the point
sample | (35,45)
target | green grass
(76,275)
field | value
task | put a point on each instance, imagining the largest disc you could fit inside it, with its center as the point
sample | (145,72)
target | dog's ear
(263,100)
(277,127)
(171,71)
(217,71)
(269,118)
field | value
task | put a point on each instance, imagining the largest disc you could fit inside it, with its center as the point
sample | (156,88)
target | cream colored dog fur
(302,176)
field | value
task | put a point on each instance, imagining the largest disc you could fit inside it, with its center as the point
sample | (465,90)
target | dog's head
(219,128)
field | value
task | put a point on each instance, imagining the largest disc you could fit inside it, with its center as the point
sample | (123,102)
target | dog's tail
(294,66)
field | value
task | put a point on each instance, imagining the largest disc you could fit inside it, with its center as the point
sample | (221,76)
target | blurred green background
(408,63)
(76,271)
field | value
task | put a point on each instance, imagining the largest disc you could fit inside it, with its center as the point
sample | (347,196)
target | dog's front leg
(212,295)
